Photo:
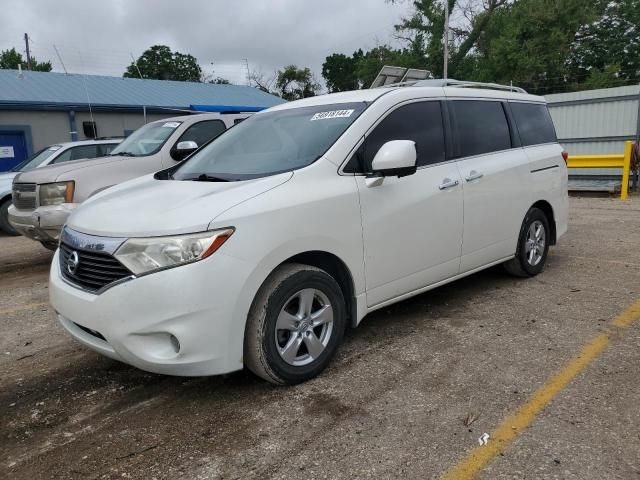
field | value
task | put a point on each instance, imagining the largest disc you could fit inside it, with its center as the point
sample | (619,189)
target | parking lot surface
(409,395)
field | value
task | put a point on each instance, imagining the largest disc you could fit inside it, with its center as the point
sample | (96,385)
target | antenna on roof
(86,90)
(60,58)
(135,64)
(20,75)
(144,107)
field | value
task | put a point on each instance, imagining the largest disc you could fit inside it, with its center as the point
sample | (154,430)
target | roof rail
(465,84)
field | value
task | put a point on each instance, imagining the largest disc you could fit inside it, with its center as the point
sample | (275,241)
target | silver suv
(44,198)
(53,154)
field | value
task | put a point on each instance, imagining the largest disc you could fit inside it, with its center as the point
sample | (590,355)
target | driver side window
(202,132)
(419,121)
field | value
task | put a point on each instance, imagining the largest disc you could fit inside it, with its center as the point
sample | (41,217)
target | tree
(293,83)
(160,63)
(529,42)
(360,70)
(11,59)
(606,52)
(424,30)
(340,72)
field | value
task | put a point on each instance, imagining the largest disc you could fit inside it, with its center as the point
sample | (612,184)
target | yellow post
(624,190)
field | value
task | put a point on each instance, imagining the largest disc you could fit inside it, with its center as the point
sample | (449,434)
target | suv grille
(24,196)
(94,270)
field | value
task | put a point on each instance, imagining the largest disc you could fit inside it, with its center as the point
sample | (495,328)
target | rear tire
(5,226)
(533,245)
(295,325)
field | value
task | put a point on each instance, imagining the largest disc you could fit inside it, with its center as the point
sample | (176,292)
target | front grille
(94,270)
(24,196)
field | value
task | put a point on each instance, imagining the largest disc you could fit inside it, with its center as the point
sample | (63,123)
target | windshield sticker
(171,125)
(332,114)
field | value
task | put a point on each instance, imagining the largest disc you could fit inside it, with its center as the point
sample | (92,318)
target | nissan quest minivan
(263,246)
(47,196)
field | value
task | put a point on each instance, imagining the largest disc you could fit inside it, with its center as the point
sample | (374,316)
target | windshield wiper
(207,178)
(122,154)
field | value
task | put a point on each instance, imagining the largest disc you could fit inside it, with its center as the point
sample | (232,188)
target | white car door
(495,181)
(412,226)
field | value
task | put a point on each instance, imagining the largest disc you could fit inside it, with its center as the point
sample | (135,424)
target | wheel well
(337,269)
(5,198)
(548,212)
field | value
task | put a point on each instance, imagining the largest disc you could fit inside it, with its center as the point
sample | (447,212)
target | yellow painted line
(30,306)
(513,425)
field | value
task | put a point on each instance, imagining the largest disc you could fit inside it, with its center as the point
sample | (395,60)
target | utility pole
(26,42)
(446,39)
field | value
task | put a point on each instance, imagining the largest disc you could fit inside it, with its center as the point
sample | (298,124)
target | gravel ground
(410,393)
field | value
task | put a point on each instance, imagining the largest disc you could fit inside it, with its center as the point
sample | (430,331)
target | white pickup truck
(44,198)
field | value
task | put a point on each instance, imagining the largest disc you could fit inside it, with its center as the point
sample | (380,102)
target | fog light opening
(175,343)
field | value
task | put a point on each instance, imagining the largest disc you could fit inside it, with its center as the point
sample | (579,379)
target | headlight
(144,255)
(56,193)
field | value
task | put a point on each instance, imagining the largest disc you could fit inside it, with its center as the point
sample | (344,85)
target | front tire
(295,325)
(533,245)
(5,226)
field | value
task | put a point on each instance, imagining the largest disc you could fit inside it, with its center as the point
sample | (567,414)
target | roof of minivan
(369,95)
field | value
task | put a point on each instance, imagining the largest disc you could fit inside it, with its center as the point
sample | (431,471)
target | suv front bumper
(42,224)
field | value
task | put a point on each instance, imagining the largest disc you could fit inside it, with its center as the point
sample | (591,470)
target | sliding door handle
(448,183)
(473,175)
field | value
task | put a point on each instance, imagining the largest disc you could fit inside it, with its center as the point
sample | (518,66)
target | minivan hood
(146,207)
(50,173)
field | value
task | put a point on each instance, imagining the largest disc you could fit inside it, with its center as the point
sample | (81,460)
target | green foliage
(606,52)
(528,43)
(545,46)
(11,59)
(343,73)
(293,83)
(160,63)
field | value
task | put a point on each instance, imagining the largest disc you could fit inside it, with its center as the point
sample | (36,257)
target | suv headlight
(144,255)
(56,193)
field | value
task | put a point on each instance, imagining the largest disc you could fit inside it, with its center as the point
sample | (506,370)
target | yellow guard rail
(622,161)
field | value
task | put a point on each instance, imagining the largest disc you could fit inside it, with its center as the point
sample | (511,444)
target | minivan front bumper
(42,224)
(184,321)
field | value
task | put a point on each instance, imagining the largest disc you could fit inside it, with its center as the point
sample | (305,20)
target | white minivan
(262,247)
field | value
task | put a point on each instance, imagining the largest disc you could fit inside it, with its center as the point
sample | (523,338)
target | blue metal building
(38,109)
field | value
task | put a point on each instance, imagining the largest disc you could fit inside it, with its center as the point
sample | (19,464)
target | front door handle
(447,183)
(473,175)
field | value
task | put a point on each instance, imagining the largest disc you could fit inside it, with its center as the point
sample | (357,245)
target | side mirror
(395,158)
(183,149)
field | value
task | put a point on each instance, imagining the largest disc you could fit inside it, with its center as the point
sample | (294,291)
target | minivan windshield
(147,140)
(270,142)
(37,159)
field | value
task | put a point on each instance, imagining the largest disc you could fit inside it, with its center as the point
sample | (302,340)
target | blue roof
(59,90)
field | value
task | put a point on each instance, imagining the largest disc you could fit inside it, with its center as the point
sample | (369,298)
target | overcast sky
(98,37)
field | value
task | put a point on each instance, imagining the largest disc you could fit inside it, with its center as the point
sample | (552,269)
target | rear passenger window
(420,122)
(77,153)
(482,127)
(534,123)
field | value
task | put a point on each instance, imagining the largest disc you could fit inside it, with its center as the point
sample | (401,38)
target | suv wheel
(295,325)
(533,245)
(5,226)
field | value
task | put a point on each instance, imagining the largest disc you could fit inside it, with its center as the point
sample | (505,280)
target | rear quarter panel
(549,178)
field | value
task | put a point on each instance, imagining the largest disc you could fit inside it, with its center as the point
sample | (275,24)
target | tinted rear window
(481,126)
(534,123)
